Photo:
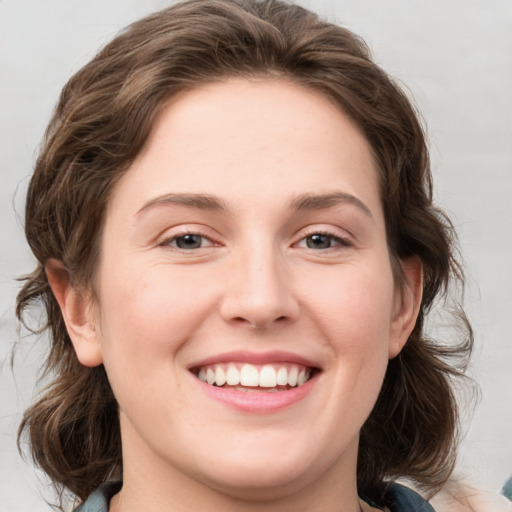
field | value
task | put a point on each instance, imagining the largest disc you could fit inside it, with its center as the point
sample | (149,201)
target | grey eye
(189,241)
(319,241)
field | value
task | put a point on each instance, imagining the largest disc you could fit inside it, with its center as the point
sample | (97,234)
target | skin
(254,285)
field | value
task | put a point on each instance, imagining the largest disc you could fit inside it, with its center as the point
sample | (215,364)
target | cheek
(148,315)
(353,306)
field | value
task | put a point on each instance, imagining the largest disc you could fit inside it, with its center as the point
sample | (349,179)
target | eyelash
(172,242)
(339,241)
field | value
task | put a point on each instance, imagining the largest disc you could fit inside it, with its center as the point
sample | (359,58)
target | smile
(254,377)
(256,383)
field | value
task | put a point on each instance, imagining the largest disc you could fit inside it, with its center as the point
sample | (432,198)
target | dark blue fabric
(99,500)
(398,499)
(507,489)
(402,499)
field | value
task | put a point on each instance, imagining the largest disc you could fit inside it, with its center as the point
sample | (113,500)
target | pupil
(318,241)
(189,242)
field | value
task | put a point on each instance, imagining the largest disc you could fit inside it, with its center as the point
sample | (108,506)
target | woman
(237,249)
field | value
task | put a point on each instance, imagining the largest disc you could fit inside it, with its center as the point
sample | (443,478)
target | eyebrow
(319,201)
(200,201)
(213,203)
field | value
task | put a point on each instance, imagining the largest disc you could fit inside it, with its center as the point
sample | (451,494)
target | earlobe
(407,306)
(77,314)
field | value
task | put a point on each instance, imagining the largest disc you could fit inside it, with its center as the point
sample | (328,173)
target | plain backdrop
(455,57)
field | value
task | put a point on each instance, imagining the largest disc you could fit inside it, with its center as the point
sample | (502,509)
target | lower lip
(258,401)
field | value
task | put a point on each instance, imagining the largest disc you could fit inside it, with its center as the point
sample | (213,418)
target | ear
(77,313)
(407,305)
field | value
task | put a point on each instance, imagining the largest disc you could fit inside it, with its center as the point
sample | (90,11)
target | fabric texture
(99,500)
(507,489)
(402,499)
(398,499)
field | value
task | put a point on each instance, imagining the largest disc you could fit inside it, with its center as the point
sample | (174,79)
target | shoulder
(459,496)
(99,500)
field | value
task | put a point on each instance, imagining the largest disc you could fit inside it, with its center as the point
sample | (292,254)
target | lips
(256,382)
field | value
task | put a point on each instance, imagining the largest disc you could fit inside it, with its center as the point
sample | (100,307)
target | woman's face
(247,241)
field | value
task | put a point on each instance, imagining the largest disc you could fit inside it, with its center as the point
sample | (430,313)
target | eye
(323,241)
(189,241)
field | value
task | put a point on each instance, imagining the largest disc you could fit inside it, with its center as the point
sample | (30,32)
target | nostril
(258,323)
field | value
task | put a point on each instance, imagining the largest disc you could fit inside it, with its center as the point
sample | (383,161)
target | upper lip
(275,356)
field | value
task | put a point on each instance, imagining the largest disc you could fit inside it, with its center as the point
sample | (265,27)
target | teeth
(303,377)
(220,376)
(233,376)
(249,375)
(267,376)
(282,376)
(210,376)
(293,374)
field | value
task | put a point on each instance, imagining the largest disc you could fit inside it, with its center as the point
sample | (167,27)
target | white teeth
(293,375)
(220,376)
(233,376)
(282,376)
(303,377)
(267,377)
(249,375)
(210,376)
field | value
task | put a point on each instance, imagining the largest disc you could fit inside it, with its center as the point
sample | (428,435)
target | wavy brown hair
(100,124)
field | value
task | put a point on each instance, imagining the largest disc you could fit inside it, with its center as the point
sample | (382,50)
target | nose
(259,292)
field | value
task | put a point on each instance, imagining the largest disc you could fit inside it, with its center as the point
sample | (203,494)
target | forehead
(241,137)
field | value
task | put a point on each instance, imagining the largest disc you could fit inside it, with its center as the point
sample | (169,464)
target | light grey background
(455,57)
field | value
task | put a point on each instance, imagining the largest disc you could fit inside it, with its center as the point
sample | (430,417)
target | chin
(267,474)
(259,482)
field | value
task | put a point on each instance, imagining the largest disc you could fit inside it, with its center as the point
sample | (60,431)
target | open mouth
(248,377)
